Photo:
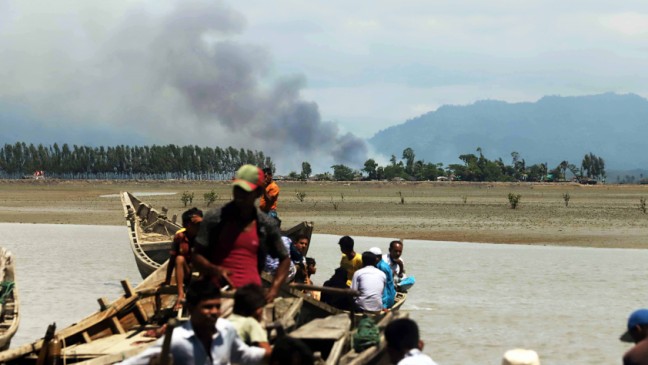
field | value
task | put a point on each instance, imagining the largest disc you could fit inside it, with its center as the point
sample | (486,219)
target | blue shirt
(389,293)
(226,347)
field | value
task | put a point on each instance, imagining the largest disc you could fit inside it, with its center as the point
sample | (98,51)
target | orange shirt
(272,190)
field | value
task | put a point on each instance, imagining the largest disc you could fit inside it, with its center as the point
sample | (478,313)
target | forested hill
(550,130)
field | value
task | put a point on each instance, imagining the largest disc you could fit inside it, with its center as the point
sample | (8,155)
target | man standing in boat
(234,240)
(180,257)
(268,202)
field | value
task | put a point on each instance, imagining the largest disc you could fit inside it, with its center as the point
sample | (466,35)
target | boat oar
(326,289)
(166,358)
(49,335)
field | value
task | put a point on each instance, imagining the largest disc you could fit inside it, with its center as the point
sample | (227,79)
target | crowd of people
(232,245)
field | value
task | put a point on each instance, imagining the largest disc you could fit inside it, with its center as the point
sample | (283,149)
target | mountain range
(550,130)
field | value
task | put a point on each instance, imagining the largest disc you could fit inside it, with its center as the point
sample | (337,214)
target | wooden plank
(332,327)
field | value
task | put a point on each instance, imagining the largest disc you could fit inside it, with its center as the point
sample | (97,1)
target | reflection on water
(472,301)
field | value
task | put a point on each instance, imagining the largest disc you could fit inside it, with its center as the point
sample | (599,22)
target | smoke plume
(179,74)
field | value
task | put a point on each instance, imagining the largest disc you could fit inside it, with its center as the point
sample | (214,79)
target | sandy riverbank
(597,216)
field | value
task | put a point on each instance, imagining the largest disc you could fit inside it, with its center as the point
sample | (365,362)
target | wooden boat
(119,329)
(116,327)
(9,303)
(151,232)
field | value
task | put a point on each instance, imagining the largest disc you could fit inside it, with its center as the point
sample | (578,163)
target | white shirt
(416,357)
(226,347)
(370,282)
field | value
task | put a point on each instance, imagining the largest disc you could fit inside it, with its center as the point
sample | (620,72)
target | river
(471,301)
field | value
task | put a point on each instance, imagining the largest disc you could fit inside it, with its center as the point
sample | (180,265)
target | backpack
(367,335)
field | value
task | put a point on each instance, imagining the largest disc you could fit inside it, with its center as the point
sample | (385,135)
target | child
(248,312)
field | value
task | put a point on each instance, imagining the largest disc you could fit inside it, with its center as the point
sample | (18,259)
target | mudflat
(595,216)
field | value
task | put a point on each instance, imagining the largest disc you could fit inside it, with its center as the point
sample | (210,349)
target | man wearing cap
(180,255)
(234,240)
(389,293)
(638,333)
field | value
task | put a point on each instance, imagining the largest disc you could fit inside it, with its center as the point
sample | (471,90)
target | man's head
(376,251)
(191,220)
(637,326)
(402,335)
(249,301)
(248,185)
(311,266)
(346,245)
(395,249)
(368,259)
(268,175)
(203,303)
(301,243)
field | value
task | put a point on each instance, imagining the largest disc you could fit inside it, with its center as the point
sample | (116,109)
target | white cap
(520,357)
(376,251)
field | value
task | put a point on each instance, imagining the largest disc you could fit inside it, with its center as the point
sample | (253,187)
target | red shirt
(238,253)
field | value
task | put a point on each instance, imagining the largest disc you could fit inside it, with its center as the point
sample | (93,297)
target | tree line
(127,162)
(475,167)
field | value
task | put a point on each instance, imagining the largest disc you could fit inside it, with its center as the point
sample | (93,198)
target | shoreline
(596,216)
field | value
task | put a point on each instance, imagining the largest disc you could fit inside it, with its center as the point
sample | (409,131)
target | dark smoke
(171,71)
(225,80)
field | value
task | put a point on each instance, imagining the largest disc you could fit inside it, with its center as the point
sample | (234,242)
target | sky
(302,80)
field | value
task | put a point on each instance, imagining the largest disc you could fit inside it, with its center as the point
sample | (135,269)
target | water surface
(472,301)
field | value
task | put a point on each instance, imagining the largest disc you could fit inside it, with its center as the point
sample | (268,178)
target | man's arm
(279,278)
(205,267)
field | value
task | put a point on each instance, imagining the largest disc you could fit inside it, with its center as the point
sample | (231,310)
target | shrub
(210,197)
(187,198)
(514,200)
(300,196)
(402,198)
(464,198)
(566,198)
(642,205)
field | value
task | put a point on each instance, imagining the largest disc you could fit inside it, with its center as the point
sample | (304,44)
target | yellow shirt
(273,192)
(351,265)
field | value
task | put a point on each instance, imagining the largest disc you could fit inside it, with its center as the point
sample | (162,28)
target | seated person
(204,338)
(389,294)
(180,254)
(338,280)
(249,301)
(370,282)
(350,261)
(394,260)
(303,277)
(271,263)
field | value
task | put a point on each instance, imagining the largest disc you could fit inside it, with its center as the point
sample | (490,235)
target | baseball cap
(637,318)
(520,357)
(376,251)
(248,177)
